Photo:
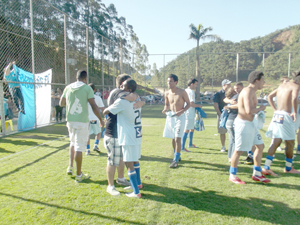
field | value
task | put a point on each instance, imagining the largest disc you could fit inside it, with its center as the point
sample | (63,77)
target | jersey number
(137,120)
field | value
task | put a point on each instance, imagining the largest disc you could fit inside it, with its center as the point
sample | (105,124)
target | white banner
(43,97)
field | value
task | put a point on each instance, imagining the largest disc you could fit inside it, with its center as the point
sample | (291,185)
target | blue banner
(27,121)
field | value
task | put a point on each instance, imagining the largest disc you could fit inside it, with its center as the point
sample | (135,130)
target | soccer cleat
(123,182)
(88,152)
(112,191)
(193,146)
(236,180)
(261,179)
(223,149)
(268,172)
(130,187)
(132,195)
(249,160)
(185,150)
(96,149)
(81,178)
(70,170)
(293,171)
(173,164)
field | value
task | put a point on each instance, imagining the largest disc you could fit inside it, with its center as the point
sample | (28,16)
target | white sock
(232,176)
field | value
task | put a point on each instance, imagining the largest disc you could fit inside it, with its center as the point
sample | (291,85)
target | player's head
(256,78)
(296,77)
(238,87)
(284,79)
(226,84)
(230,92)
(192,83)
(81,76)
(172,81)
(121,78)
(129,85)
(92,86)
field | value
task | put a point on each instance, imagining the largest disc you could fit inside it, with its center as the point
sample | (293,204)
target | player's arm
(166,108)
(216,106)
(195,105)
(230,101)
(295,102)
(231,106)
(114,108)
(62,101)
(96,110)
(7,69)
(187,101)
(270,99)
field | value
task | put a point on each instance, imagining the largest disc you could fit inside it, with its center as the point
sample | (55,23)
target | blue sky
(163,25)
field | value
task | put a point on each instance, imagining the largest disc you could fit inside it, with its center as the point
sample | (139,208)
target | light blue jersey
(129,122)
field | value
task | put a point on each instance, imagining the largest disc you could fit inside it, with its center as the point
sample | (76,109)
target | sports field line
(25,150)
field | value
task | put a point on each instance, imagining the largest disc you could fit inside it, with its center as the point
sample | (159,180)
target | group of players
(247,137)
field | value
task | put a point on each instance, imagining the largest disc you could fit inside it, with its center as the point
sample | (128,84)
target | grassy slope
(36,190)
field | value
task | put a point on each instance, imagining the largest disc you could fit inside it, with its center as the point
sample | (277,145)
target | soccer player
(95,127)
(190,115)
(178,101)
(219,104)
(129,136)
(76,97)
(246,134)
(282,126)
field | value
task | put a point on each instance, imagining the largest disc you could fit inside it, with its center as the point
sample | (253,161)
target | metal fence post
(263,62)
(32,58)
(102,73)
(237,67)
(65,48)
(289,67)
(164,75)
(87,54)
(2,109)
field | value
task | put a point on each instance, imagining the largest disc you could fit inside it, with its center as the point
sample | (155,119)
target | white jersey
(190,113)
(129,122)
(99,103)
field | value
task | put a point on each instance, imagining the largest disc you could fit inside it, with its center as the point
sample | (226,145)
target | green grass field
(35,189)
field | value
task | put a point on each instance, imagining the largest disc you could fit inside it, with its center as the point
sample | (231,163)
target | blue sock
(250,153)
(137,171)
(233,170)
(183,140)
(257,168)
(191,134)
(257,171)
(298,148)
(268,162)
(96,142)
(288,164)
(133,180)
(88,147)
(176,156)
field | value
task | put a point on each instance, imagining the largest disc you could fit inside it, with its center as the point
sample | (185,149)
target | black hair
(174,77)
(240,84)
(121,78)
(296,76)
(131,84)
(192,81)
(92,86)
(254,76)
(81,75)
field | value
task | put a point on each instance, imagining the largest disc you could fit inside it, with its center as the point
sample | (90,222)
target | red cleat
(260,179)
(236,180)
(268,172)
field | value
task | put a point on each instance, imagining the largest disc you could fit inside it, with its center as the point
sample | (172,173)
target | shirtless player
(282,126)
(174,100)
(246,134)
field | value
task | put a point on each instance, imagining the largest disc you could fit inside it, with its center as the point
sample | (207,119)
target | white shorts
(246,135)
(189,124)
(174,126)
(78,133)
(95,127)
(131,153)
(282,126)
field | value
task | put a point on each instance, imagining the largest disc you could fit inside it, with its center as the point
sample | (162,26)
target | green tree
(200,33)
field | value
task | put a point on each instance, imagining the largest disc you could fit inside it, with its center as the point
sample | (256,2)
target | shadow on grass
(35,161)
(69,209)
(213,202)
(5,151)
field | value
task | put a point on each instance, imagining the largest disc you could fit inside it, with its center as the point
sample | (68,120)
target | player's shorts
(282,126)
(189,123)
(221,130)
(131,153)
(174,126)
(78,135)
(95,127)
(114,150)
(246,135)
(297,122)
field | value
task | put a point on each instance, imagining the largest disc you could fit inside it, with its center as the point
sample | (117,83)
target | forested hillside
(218,59)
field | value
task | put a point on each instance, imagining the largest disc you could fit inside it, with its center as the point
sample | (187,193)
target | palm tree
(197,34)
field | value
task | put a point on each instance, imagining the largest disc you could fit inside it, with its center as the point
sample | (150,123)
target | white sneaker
(112,191)
(223,149)
(70,171)
(132,195)
(279,149)
(82,177)
(123,182)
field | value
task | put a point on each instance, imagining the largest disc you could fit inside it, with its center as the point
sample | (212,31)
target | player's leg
(138,173)
(71,148)
(230,130)
(191,135)
(298,141)
(269,159)
(97,139)
(184,137)
(233,167)
(88,147)
(222,138)
(289,157)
